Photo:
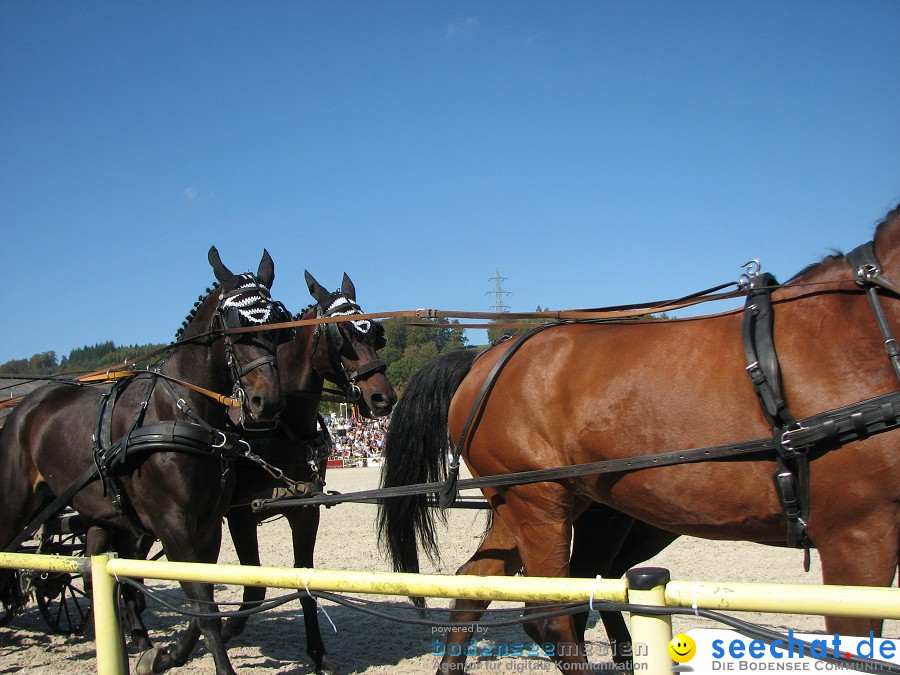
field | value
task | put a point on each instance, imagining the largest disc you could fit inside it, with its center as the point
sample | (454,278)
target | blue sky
(594,153)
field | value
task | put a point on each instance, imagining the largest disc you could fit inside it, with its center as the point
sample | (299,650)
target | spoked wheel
(62,597)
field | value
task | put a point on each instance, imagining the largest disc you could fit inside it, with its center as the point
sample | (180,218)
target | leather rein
(829,430)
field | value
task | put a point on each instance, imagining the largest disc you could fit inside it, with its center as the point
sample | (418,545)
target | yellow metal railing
(649,586)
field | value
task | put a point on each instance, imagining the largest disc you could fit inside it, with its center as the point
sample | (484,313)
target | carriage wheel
(62,597)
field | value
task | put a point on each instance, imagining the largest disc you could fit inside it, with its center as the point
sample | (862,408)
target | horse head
(345,352)
(243,303)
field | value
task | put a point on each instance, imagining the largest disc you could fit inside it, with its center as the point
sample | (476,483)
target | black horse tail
(415,451)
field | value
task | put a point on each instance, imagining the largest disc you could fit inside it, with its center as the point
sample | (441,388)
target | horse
(580,392)
(605,542)
(343,353)
(175,491)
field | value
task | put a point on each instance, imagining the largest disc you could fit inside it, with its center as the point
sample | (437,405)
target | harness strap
(759,348)
(53,508)
(868,274)
(367,369)
(867,268)
(448,494)
(107,375)
(184,407)
(844,419)
(256,363)
(154,437)
(791,474)
(105,452)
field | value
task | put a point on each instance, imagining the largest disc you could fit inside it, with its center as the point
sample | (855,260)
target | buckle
(787,439)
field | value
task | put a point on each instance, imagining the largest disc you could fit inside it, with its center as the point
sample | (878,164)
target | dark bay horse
(175,494)
(583,392)
(343,353)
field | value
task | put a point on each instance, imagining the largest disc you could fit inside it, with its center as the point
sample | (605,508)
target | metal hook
(753,269)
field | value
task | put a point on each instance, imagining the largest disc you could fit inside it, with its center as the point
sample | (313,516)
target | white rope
(594,590)
(318,606)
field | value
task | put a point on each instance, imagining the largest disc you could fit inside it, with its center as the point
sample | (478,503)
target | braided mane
(190,317)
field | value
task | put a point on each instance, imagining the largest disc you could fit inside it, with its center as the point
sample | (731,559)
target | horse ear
(266,272)
(348,290)
(223,274)
(319,294)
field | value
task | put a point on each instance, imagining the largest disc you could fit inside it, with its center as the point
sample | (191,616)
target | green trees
(79,360)
(409,347)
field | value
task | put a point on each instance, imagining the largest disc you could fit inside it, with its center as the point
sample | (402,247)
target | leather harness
(792,440)
(791,475)
(197,437)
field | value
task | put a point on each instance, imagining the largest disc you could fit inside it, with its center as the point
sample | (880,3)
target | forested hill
(82,359)
(411,343)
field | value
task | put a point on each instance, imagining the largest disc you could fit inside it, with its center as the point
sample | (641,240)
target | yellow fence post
(650,634)
(108,637)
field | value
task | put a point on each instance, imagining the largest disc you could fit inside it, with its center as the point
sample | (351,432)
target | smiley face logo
(682,648)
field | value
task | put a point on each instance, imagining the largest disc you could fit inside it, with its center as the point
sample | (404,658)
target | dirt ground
(274,642)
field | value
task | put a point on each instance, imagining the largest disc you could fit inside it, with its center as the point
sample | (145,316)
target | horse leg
(540,516)
(304,523)
(191,546)
(609,543)
(497,555)
(843,564)
(133,599)
(597,537)
(242,526)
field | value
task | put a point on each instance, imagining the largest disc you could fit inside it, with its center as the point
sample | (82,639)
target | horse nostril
(264,408)
(381,402)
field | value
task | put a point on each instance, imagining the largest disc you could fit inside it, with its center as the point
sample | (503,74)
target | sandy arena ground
(274,642)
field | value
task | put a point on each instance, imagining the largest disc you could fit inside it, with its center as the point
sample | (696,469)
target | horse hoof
(147,660)
(327,667)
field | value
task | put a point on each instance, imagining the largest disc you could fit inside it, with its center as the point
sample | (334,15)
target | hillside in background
(82,359)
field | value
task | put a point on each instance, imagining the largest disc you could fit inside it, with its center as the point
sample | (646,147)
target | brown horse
(153,489)
(343,353)
(583,392)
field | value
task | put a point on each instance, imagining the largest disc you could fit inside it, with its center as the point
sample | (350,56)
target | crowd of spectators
(356,439)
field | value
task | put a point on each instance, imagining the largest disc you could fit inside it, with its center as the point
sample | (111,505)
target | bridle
(341,305)
(248,304)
